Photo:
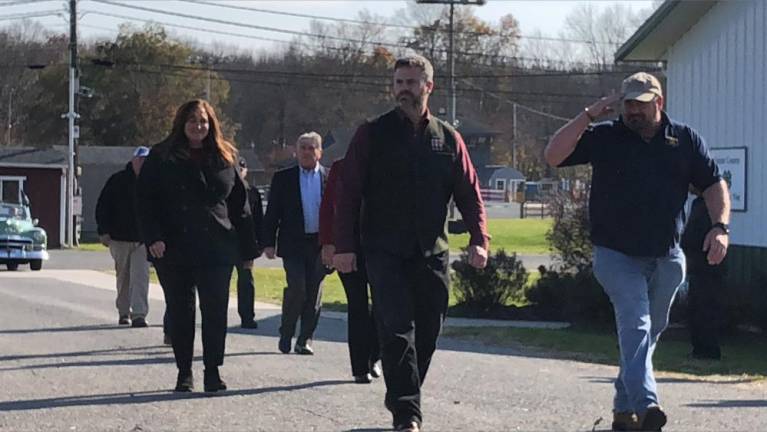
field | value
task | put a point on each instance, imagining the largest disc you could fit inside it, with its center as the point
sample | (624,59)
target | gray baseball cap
(641,86)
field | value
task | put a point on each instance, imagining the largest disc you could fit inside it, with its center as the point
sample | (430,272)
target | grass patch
(271,281)
(92,247)
(744,355)
(523,236)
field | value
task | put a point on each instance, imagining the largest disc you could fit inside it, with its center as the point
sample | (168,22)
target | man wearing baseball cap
(118,230)
(643,163)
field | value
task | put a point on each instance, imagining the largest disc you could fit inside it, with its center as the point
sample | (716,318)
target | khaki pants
(132,278)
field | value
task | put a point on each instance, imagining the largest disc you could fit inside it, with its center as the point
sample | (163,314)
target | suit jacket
(284,218)
(200,211)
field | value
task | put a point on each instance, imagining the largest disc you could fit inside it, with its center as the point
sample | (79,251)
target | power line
(21,2)
(383,24)
(339,79)
(31,14)
(494,94)
(225,33)
(302,34)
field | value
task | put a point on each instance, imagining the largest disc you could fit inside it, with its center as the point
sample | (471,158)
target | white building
(714,55)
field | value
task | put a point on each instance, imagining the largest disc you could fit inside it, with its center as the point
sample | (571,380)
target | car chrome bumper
(22,255)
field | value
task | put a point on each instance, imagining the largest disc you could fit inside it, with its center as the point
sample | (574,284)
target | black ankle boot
(185,381)
(213,381)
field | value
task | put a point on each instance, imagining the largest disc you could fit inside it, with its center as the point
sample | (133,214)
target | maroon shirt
(328,205)
(466,193)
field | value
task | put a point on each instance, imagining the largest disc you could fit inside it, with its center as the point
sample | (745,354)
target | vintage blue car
(21,240)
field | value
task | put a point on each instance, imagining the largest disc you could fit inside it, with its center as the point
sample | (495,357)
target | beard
(639,123)
(408,101)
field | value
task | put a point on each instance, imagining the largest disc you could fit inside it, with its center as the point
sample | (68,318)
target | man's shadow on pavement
(159,357)
(150,397)
(94,327)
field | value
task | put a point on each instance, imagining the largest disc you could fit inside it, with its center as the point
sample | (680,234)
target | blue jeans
(641,290)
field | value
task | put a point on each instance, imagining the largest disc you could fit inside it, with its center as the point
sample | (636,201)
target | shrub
(569,296)
(493,286)
(569,235)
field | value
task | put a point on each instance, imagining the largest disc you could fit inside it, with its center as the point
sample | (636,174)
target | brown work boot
(652,420)
(625,421)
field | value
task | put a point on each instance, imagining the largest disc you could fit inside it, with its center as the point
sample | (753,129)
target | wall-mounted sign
(732,163)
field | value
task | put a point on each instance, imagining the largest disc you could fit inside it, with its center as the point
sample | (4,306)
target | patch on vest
(437,144)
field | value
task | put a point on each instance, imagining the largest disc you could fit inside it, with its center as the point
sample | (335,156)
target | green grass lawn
(271,281)
(92,247)
(744,355)
(523,236)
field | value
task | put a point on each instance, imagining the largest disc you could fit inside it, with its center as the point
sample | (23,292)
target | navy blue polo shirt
(639,188)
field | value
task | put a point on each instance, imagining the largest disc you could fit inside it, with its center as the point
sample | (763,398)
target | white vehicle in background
(21,240)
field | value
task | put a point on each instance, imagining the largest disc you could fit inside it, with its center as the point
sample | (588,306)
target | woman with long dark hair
(195,220)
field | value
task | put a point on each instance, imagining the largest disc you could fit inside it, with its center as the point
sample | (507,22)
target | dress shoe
(213,382)
(252,324)
(139,322)
(363,379)
(375,370)
(304,349)
(284,344)
(124,320)
(653,419)
(624,421)
(184,382)
(407,427)
(166,339)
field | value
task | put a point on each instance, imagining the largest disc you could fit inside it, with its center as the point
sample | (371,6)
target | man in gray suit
(291,223)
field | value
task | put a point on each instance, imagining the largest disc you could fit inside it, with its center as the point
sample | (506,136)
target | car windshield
(11,211)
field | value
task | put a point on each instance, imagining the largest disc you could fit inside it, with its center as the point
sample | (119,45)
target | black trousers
(212,285)
(246,293)
(302,298)
(410,297)
(706,312)
(362,338)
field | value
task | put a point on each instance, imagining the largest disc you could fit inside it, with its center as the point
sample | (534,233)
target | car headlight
(38,236)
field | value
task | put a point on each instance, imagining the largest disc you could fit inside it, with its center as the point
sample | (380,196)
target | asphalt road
(66,365)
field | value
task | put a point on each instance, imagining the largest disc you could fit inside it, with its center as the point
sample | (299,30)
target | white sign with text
(732,163)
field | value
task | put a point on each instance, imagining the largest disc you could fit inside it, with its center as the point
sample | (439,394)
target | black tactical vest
(408,187)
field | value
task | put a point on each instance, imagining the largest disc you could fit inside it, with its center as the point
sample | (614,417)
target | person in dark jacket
(291,223)
(400,173)
(118,230)
(246,290)
(195,220)
(705,285)
(362,338)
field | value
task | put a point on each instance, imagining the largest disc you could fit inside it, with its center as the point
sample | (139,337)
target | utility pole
(514,137)
(451,104)
(10,117)
(71,116)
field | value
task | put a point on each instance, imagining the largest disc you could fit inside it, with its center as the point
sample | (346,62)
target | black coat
(200,211)
(284,218)
(257,210)
(116,207)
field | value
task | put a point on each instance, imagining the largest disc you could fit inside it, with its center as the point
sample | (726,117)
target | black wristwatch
(722,226)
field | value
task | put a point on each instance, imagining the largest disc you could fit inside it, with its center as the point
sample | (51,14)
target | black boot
(213,381)
(185,381)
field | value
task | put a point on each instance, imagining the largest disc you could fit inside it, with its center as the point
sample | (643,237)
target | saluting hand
(715,244)
(345,262)
(477,257)
(157,249)
(603,106)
